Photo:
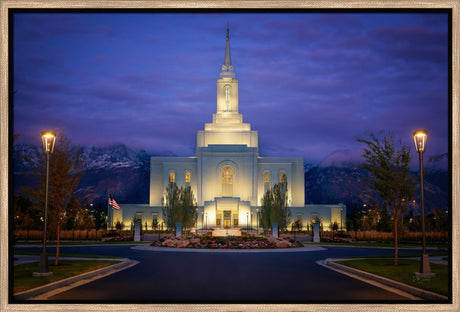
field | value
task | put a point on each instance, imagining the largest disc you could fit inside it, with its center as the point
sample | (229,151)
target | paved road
(226,277)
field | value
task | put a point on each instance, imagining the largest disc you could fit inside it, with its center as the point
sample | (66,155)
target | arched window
(227,181)
(172,177)
(267,177)
(227,107)
(266,181)
(282,177)
(187,176)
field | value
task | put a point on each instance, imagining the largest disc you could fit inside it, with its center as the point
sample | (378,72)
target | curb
(67,281)
(425,294)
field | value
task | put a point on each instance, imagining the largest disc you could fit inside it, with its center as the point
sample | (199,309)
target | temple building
(227,174)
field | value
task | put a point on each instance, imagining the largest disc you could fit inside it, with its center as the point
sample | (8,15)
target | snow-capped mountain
(114,156)
(125,173)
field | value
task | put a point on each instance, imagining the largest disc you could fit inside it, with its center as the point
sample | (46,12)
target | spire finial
(227,67)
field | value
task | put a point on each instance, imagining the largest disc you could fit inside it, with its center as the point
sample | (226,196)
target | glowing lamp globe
(48,140)
(420,137)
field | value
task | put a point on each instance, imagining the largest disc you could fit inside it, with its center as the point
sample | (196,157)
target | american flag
(113,203)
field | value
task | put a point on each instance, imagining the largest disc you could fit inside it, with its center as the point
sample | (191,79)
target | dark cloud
(309,83)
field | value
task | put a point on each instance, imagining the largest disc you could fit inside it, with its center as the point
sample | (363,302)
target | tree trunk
(396,239)
(58,234)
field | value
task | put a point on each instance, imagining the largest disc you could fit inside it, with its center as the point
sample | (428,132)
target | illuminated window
(314,217)
(266,181)
(267,177)
(172,177)
(227,181)
(227,107)
(282,177)
(187,176)
(227,175)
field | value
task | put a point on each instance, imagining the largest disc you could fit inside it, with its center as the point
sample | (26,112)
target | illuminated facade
(227,175)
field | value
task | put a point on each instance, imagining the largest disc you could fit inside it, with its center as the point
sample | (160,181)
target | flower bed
(118,239)
(229,242)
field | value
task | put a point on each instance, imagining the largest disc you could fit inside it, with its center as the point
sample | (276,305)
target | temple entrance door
(227,219)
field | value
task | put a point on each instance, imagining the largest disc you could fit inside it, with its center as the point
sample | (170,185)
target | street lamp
(341,219)
(196,221)
(247,221)
(48,140)
(257,210)
(420,138)
(202,222)
(206,224)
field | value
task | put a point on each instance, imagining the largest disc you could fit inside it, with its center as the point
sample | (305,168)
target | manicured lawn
(404,272)
(71,243)
(378,244)
(402,255)
(37,253)
(23,279)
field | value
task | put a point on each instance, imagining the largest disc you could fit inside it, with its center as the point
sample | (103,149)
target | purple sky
(308,83)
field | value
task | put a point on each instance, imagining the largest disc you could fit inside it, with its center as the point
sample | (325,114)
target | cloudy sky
(309,83)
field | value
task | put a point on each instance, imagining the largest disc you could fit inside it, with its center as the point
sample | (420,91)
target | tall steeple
(227,127)
(228,58)
(227,67)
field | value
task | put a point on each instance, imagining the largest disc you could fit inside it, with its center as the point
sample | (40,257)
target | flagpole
(109,211)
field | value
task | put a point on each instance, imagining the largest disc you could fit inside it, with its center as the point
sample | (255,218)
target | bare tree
(390,175)
(67,165)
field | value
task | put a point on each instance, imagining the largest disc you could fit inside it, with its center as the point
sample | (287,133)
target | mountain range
(125,173)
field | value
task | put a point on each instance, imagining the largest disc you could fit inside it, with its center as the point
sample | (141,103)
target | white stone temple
(227,174)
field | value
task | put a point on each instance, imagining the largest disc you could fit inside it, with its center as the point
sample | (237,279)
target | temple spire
(228,58)
(227,67)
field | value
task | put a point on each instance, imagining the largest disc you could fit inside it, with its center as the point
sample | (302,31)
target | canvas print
(237,156)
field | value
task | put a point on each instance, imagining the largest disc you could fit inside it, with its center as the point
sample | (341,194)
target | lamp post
(206,224)
(257,210)
(196,221)
(202,222)
(341,219)
(48,140)
(420,138)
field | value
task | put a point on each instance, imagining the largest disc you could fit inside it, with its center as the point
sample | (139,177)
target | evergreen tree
(390,177)
(99,218)
(356,220)
(179,205)
(26,214)
(189,206)
(275,207)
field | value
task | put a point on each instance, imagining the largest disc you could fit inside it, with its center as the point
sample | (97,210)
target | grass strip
(37,253)
(432,254)
(404,273)
(23,279)
(53,244)
(377,244)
